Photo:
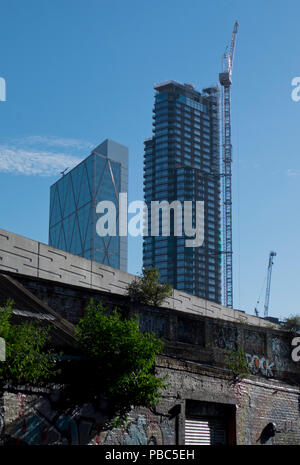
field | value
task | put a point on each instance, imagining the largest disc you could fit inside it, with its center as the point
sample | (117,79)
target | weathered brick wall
(46,417)
(187,336)
(260,404)
(195,362)
(257,401)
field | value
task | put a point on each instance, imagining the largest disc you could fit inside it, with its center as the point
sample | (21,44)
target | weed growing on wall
(147,289)
(237,363)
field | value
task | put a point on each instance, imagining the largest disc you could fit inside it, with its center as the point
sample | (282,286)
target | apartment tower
(182,162)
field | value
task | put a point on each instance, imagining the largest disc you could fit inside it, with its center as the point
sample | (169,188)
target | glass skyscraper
(182,162)
(73,199)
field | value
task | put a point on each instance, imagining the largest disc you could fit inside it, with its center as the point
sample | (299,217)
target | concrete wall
(25,256)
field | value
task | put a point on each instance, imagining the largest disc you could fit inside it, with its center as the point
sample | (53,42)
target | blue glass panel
(88,243)
(107,240)
(89,164)
(62,189)
(68,228)
(116,169)
(113,246)
(76,179)
(87,254)
(61,240)
(98,242)
(55,215)
(162,96)
(99,256)
(54,235)
(69,201)
(113,260)
(105,260)
(84,194)
(100,165)
(84,219)
(76,247)
(106,189)
(52,195)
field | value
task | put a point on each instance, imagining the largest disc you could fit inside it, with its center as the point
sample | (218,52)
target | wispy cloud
(292,172)
(32,162)
(41,155)
(52,141)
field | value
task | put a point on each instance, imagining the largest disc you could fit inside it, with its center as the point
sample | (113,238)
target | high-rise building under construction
(182,162)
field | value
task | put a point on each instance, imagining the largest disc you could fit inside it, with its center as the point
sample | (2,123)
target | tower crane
(268,287)
(225,79)
(267,298)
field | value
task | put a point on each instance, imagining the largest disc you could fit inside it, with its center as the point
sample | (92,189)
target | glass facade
(73,200)
(182,162)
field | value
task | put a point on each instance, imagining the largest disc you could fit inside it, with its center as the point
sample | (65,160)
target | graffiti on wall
(142,430)
(254,342)
(281,352)
(225,337)
(47,420)
(43,422)
(260,365)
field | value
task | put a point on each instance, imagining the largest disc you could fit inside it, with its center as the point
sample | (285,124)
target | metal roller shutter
(197,432)
(204,432)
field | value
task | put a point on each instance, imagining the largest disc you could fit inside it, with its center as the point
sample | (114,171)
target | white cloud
(33,162)
(292,172)
(52,141)
(41,155)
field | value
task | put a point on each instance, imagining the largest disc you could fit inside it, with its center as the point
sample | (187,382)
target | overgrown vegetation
(147,289)
(122,357)
(237,363)
(292,323)
(27,359)
(119,367)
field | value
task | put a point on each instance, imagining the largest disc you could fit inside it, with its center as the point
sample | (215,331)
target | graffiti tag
(260,364)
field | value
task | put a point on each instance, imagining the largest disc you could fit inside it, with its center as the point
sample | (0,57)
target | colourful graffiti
(47,420)
(142,430)
(260,364)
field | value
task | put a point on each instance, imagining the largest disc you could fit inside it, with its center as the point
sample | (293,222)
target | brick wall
(194,360)
(47,417)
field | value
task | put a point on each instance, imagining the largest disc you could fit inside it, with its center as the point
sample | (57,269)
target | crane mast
(225,81)
(267,298)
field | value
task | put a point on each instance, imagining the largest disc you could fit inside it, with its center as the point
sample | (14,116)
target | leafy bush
(292,323)
(27,361)
(147,289)
(123,359)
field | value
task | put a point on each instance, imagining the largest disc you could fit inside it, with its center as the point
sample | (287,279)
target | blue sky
(78,72)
